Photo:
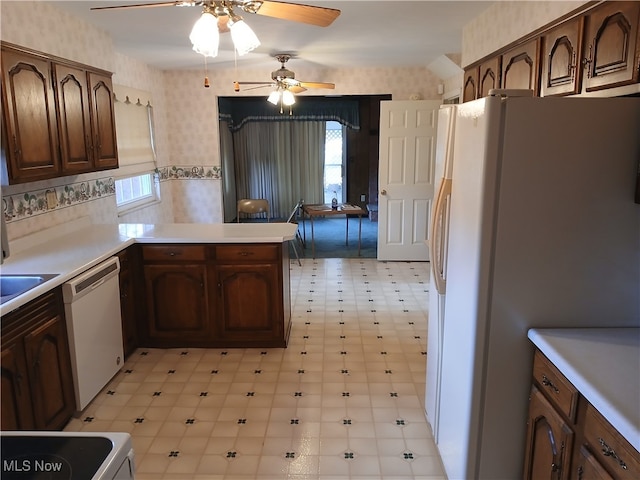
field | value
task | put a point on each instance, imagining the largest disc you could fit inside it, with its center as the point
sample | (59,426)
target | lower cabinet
(567,438)
(216,296)
(177,309)
(550,440)
(37,383)
(250,303)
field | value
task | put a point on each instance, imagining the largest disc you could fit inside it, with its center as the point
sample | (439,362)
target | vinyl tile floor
(344,400)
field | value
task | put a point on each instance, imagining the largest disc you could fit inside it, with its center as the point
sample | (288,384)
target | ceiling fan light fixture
(205,36)
(274,97)
(288,98)
(244,39)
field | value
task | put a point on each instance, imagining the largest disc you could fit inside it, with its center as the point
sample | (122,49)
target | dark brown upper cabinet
(561,54)
(612,53)
(489,76)
(58,117)
(29,109)
(520,67)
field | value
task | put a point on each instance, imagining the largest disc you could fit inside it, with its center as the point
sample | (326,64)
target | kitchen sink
(13,285)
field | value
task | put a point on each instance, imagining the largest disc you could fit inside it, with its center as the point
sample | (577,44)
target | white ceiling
(366,34)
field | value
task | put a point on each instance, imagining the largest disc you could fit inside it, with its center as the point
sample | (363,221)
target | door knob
(383,192)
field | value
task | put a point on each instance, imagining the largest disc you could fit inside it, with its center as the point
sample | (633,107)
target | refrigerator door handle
(439,236)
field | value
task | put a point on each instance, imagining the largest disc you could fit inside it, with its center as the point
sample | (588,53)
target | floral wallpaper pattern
(185,113)
(189,173)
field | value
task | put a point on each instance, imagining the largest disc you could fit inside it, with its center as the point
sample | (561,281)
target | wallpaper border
(32,203)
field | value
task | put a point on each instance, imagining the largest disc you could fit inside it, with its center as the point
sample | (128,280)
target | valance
(238,111)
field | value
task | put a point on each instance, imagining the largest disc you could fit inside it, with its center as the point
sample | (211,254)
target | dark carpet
(330,237)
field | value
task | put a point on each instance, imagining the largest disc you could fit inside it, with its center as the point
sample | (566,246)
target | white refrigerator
(542,231)
(438,242)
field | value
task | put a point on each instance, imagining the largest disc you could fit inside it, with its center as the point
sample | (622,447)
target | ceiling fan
(284,79)
(223,10)
(205,37)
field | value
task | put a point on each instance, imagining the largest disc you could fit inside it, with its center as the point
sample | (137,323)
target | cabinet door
(74,121)
(49,364)
(612,57)
(127,306)
(103,124)
(17,413)
(250,306)
(470,86)
(29,109)
(177,304)
(587,467)
(549,441)
(561,51)
(489,76)
(520,67)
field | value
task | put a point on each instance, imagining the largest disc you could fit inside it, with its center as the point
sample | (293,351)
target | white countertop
(604,365)
(69,252)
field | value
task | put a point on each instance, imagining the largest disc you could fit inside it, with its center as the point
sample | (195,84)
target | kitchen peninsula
(194,285)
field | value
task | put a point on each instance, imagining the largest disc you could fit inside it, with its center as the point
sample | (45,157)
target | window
(135,192)
(333,162)
(136,151)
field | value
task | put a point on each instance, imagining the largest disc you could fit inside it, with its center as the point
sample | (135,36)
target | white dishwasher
(94,326)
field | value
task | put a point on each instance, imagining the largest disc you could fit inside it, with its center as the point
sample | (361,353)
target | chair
(252,206)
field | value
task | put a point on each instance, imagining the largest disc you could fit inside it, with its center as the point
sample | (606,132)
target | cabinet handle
(586,62)
(607,451)
(548,383)
(245,254)
(16,150)
(572,67)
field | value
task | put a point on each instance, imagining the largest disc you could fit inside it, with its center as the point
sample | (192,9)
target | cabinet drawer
(173,252)
(247,253)
(613,451)
(562,394)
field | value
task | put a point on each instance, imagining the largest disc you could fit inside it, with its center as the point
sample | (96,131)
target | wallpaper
(185,113)
(505,22)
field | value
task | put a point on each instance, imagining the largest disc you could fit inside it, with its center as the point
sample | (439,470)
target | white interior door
(406,178)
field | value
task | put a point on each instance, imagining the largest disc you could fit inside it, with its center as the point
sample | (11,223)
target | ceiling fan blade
(320,16)
(317,85)
(256,87)
(176,3)
(296,89)
(255,83)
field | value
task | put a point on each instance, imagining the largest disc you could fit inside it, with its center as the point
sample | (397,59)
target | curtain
(282,162)
(134,124)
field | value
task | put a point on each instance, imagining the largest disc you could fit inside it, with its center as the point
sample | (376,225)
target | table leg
(313,241)
(347,239)
(359,233)
(304,231)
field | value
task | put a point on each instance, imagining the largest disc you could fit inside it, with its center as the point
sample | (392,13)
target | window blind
(134,131)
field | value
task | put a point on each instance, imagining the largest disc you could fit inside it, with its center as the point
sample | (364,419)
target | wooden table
(326,210)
